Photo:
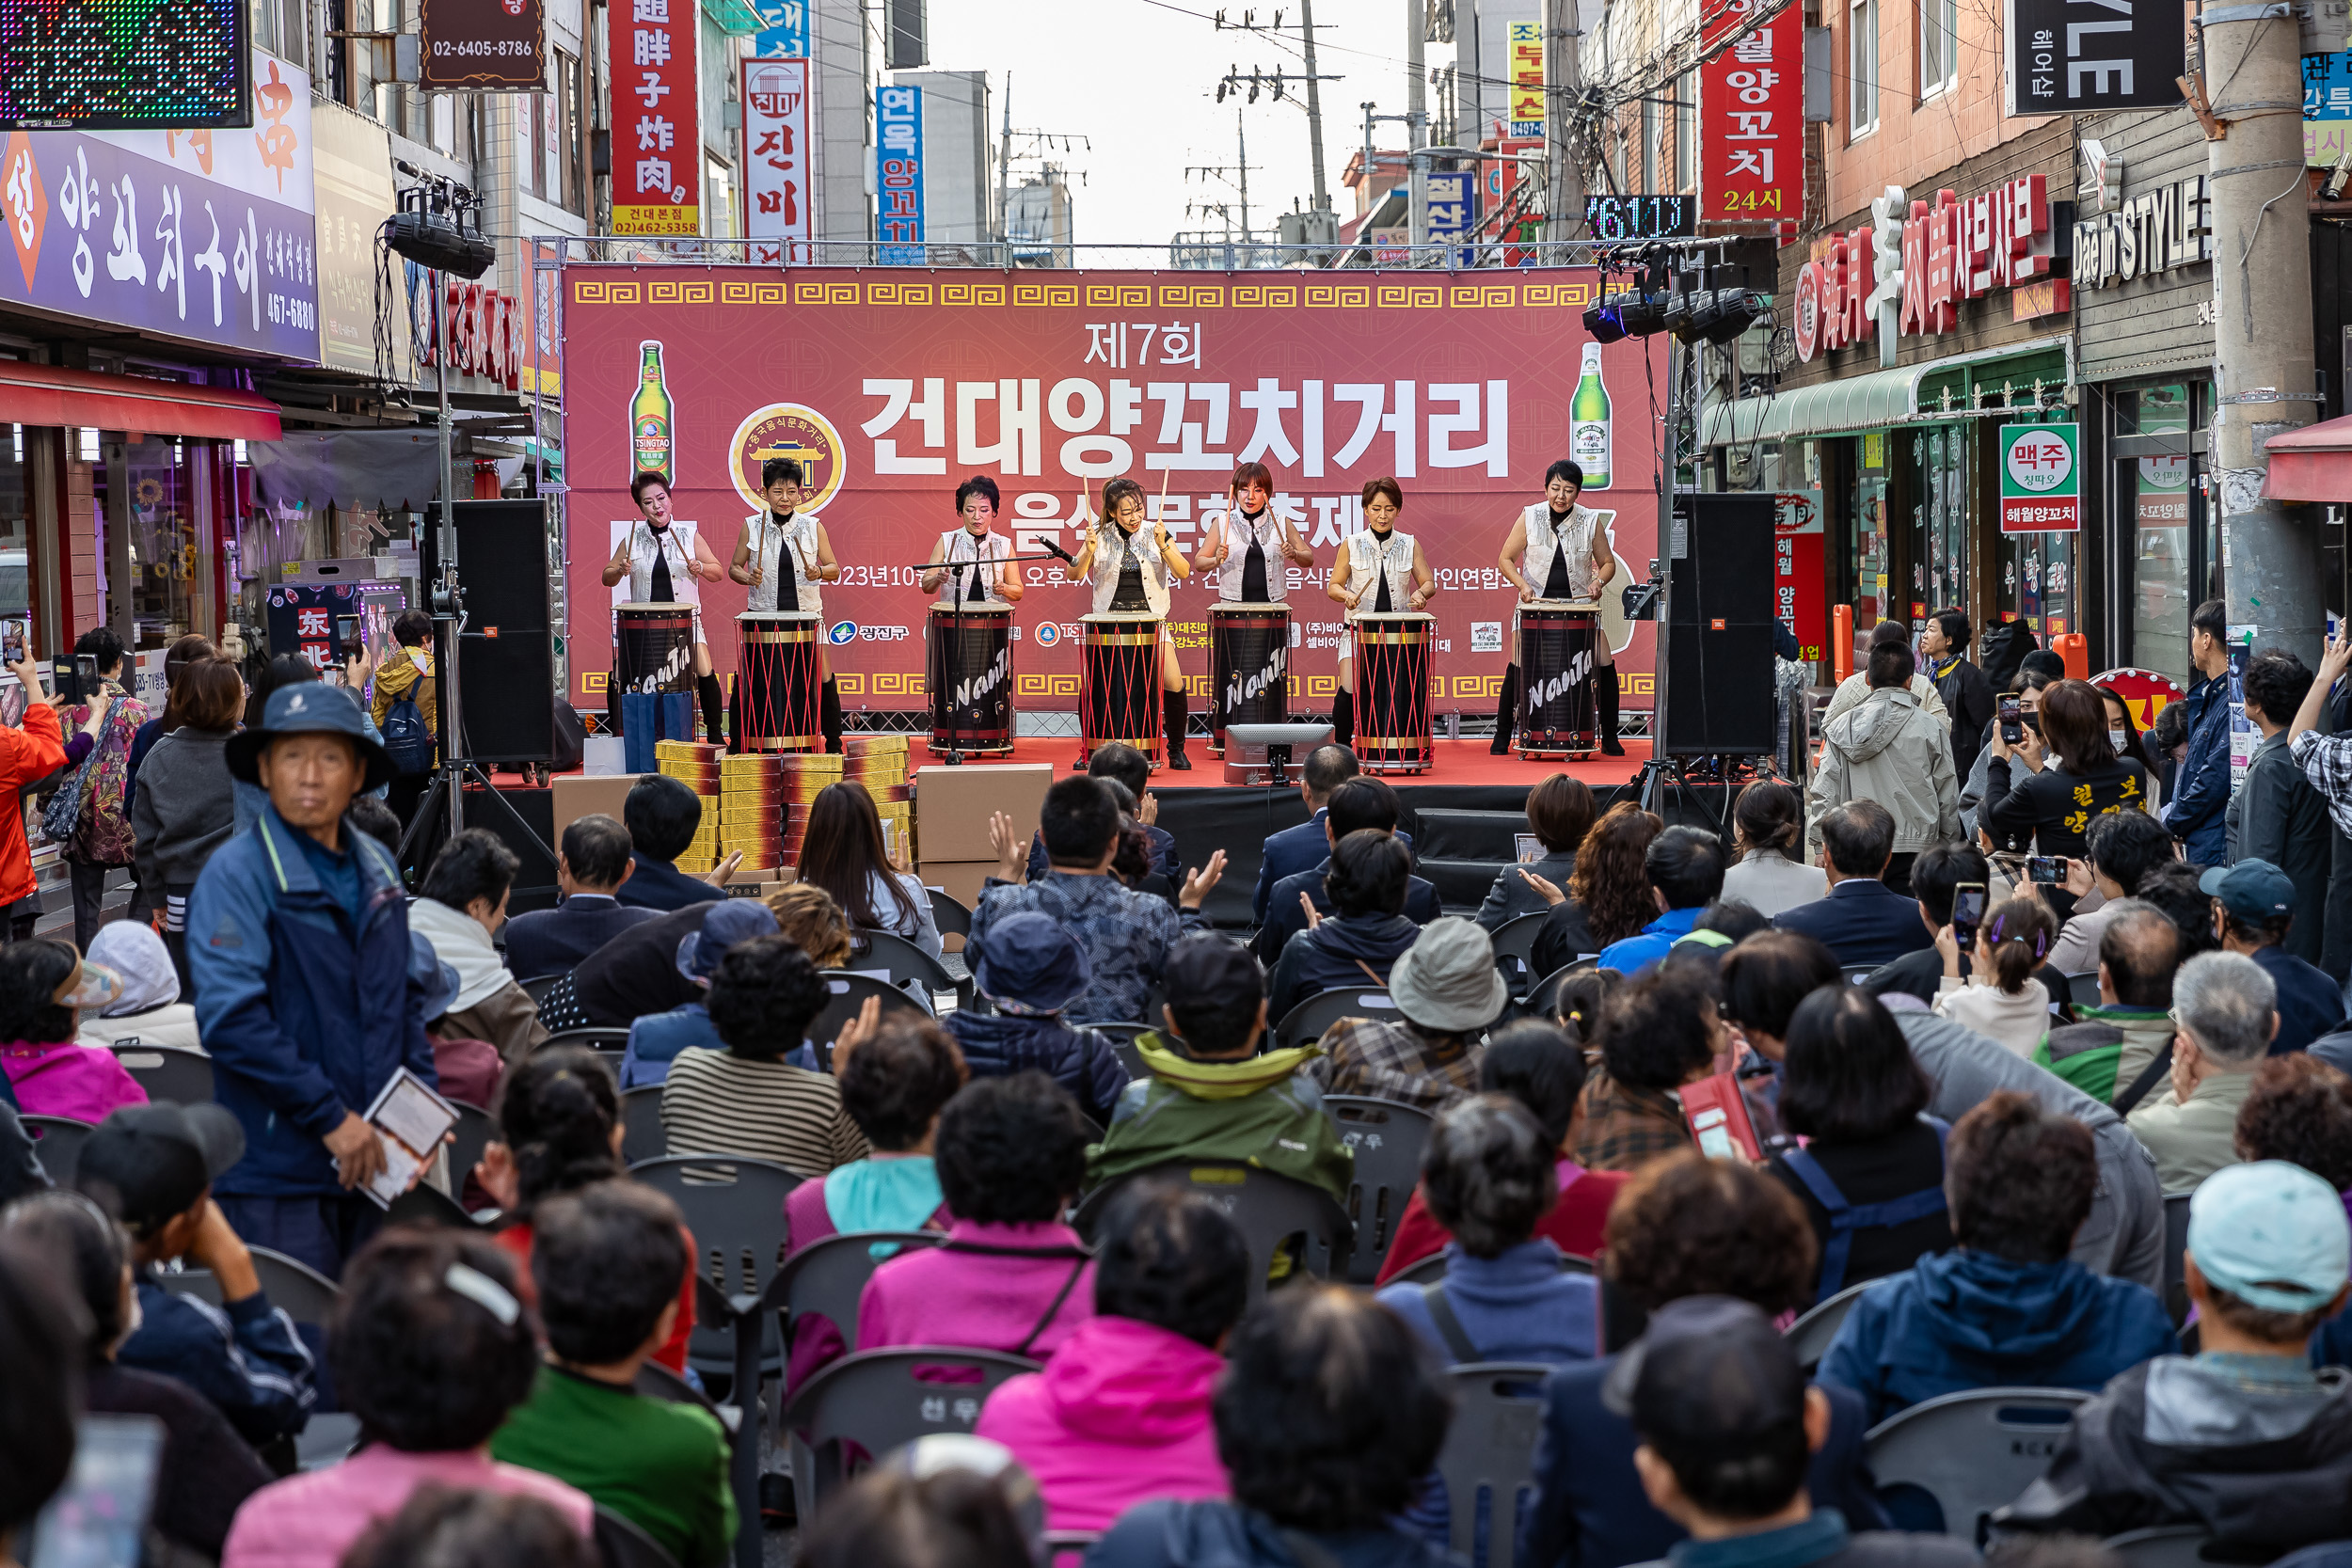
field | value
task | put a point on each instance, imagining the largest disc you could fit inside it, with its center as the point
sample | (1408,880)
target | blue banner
(786,33)
(898,175)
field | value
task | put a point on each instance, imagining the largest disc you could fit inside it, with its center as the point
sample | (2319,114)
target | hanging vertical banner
(1526,78)
(657,119)
(1752,99)
(785,35)
(775,160)
(898,175)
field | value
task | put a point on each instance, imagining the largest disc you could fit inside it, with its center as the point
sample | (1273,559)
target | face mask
(2118,739)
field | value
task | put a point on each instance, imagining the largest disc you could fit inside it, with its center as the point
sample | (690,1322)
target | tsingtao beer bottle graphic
(651,437)
(1588,422)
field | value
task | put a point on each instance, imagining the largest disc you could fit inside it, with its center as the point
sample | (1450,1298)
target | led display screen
(111,65)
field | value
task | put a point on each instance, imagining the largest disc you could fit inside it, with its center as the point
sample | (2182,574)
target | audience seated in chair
(748,1099)
(1010,1276)
(1328,1418)
(1684,868)
(604,1265)
(1210,1095)
(1684,1226)
(1860,919)
(2300,1111)
(1033,969)
(558,1132)
(1449,990)
(1727,1431)
(1357,805)
(592,863)
(1657,1034)
(450,1527)
(1939,869)
(207,1469)
(656,1039)
(1541,1067)
(1560,812)
(2005,1307)
(1127,934)
(431,1346)
(662,814)
(845,854)
(1768,847)
(2225,1014)
(1605,899)
(1121,764)
(43,986)
(149,1011)
(152,1168)
(931,1506)
(461,908)
(1994,988)
(463,1068)
(631,975)
(2121,848)
(2108,1047)
(1763,981)
(2245,1438)
(1366,931)
(1122,1415)
(1870,1174)
(1303,848)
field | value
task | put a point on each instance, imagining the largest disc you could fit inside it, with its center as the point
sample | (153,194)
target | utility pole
(1004,177)
(2263,355)
(1471,127)
(1241,133)
(1416,130)
(1563,194)
(1314,107)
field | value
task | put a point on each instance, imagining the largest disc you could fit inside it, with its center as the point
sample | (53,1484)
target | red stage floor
(1455,762)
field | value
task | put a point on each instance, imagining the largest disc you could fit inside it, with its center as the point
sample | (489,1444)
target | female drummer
(1138,564)
(977,502)
(1250,529)
(666,562)
(1379,572)
(783,545)
(1559,550)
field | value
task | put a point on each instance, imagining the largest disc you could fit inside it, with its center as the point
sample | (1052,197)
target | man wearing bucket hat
(1032,968)
(2245,1438)
(298,944)
(1449,990)
(655,1039)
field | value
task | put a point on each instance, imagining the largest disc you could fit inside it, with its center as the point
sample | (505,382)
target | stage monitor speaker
(1719,697)
(506,659)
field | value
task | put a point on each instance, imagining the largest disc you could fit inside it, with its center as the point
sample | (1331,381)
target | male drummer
(1241,545)
(1559,550)
(991,575)
(666,561)
(784,545)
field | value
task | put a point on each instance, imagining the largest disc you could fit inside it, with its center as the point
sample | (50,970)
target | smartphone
(347,637)
(1967,915)
(2012,715)
(86,675)
(98,1519)
(2047,869)
(12,641)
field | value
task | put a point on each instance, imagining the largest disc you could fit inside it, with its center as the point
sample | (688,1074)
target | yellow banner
(664,219)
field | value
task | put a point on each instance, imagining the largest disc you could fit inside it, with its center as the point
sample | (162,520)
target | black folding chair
(906,961)
(425,1204)
(2083,989)
(951,917)
(1271,1210)
(2176,1256)
(1811,1334)
(57,1141)
(1515,948)
(1388,1138)
(1310,1019)
(1488,1460)
(1543,1000)
(624,1544)
(826,1277)
(1122,1038)
(643,1136)
(168,1072)
(599,1039)
(871,1404)
(850,992)
(475,1133)
(1971,1452)
(537,986)
(309,1298)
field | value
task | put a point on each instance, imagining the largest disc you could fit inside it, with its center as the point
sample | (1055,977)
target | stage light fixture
(1728,314)
(1600,323)
(433,240)
(1682,305)
(1643,313)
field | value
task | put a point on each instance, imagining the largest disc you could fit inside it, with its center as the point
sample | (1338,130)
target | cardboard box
(952,806)
(579,795)
(958,879)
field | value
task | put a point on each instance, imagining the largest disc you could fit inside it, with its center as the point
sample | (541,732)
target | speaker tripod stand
(445,800)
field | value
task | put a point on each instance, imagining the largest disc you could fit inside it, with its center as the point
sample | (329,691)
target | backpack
(407,740)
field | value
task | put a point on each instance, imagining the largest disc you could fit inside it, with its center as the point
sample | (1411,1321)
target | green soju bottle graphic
(651,444)
(1588,422)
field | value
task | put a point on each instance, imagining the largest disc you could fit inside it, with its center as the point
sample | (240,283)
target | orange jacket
(28,756)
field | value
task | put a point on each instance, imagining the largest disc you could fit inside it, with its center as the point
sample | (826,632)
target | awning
(1867,401)
(52,395)
(2312,463)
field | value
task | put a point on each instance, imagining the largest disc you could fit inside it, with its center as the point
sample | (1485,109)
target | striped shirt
(714,1104)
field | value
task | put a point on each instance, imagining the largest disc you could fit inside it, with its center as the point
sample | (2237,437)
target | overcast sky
(1138,80)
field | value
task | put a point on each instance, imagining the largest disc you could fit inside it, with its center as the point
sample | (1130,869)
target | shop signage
(2326,107)
(2066,56)
(1799,585)
(787,33)
(180,63)
(1526,78)
(1752,163)
(2145,692)
(657,119)
(898,175)
(2147,237)
(1912,271)
(484,45)
(2041,484)
(775,158)
(1614,219)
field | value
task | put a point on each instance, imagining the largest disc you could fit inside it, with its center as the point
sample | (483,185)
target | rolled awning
(52,395)
(2312,463)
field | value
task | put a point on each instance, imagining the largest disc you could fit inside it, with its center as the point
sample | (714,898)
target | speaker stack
(1719,697)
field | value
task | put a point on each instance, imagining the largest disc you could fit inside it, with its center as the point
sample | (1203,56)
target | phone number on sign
(446,49)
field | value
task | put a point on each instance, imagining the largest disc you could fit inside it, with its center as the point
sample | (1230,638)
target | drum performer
(783,545)
(1559,550)
(993,577)
(1242,548)
(1132,564)
(1378,572)
(666,561)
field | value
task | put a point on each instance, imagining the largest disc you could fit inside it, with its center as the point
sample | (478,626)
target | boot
(1605,690)
(829,716)
(1174,707)
(714,710)
(1506,712)
(1344,718)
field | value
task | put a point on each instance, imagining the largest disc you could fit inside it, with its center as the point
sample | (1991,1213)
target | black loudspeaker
(507,657)
(534,882)
(1719,632)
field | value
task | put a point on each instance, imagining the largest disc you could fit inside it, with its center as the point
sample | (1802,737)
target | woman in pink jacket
(1121,1413)
(44,988)
(431,1349)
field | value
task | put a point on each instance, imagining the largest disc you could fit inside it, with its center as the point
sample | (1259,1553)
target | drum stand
(952,667)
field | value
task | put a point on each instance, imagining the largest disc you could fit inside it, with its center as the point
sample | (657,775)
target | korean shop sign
(2150,235)
(1955,250)
(2041,484)
(2081,57)
(1752,95)
(898,175)
(775,158)
(484,45)
(657,118)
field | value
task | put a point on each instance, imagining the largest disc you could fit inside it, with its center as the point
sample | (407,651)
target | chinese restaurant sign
(657,119)
(775,157)
(1752,95)
(202,235)
(2042,478)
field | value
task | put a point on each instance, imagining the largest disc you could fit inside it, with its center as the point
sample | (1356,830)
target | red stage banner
(891,390)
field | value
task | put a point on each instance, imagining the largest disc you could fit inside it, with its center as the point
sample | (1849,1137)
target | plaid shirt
(2326,761)
(1626,1126)
(1388,1061)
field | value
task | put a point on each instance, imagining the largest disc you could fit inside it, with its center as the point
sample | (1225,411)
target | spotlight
(1640,313)
(1681,306)
(433,240)
(1727,313)
(1601,323)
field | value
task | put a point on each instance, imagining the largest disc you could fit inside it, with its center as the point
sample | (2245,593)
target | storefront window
(163,545)
(16,513)
(2160,487)
(1939,517)
(1874,596)
(2038,581)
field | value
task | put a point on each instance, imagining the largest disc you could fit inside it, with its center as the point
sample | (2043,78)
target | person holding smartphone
(30,751)
(101,728)
(2077,777)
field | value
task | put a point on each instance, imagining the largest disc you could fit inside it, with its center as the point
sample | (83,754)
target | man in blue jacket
(1305,847)
(1685,869)
(2196,813)
(1861,920)
(298,944)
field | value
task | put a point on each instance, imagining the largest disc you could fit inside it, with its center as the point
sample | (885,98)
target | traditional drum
(1250,657)
(971,677)
(777,694)
(1393,733)
(1118,684)
(1558,716)
(653,647)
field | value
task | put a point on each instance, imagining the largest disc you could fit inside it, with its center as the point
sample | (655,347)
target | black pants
(1898,874)
(406,791)
(90,898)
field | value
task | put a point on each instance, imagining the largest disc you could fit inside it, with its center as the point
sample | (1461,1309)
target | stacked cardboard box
(952,810)
(879,763)
(696,764)
(805,774)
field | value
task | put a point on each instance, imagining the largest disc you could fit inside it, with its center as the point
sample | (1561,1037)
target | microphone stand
(951,666)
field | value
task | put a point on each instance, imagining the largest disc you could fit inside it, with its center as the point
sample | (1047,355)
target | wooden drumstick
(1161,510)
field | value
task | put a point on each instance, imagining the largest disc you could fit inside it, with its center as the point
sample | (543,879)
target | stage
(1455,764)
